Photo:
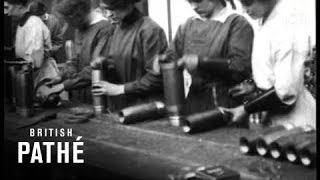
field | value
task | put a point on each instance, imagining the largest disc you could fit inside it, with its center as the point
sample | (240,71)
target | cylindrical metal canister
(292,150)
(70,50)
(263,142)
(24,93)
(15,66)
(173,82)
(278,147)
(248,143)
(97,101)
(204,121)
(141,112)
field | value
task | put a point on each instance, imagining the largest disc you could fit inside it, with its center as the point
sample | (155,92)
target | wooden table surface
(156,150)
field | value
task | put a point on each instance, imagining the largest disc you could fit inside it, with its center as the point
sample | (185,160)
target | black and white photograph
(159,89)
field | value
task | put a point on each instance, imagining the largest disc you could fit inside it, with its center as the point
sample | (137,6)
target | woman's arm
(237,64)
(153,42)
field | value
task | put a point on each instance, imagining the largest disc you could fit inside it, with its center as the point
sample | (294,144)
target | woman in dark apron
(93,31)
(215,47)
(137,39)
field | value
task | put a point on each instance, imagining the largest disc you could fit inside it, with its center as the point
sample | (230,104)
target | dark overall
(89,44)
(135,43)
(231,40)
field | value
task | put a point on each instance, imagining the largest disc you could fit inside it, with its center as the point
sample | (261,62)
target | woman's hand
(97,62)
(238,114)
(156,66)
(44,91)
(242,89)
(106,88)
(189,61)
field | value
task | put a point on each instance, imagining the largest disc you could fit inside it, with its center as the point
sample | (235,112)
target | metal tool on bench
(210,173)
(41,117)
(141,112)
(204,121)
(75,115)
(173,82)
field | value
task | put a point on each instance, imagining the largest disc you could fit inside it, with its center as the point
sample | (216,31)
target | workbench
(153,149)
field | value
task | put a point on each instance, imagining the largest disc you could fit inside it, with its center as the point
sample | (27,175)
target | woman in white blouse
(32,40)
(281,44)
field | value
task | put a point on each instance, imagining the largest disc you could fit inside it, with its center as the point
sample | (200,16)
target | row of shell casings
(22,88)
(296,145)
(190,124)
(174,104)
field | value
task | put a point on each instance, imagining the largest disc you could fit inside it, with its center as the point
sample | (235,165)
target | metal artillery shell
(299,143)
(173,82)
(97,101)
(16,66)
(307,155)
(96,75)
(25,93)
(141,112)
(248,143)
(278,147)
(69,49)
(263,143)
(204,121)
(98,104)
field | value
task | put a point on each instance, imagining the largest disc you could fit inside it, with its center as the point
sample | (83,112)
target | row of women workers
(218,47)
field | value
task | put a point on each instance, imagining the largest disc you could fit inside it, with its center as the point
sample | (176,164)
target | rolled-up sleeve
(153,42)
(290,55)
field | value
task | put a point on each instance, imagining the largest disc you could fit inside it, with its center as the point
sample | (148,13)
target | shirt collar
(274,12)
(97,17)
(131,18)
(24,18)
(221,16)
